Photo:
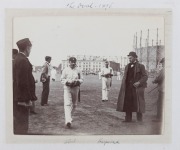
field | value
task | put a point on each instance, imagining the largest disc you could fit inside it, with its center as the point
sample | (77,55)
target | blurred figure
(131,95)
(71,78)
(24,85)
(118,75)
(45,79)
(106,73)
(53,74)
(99,74)
(160,80)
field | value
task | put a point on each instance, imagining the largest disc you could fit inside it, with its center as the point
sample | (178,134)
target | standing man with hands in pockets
(71,78)
(45,79)
(131,95)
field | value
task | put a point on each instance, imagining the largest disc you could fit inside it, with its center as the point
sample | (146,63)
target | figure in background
(45,79)
(160,80)
(106,73)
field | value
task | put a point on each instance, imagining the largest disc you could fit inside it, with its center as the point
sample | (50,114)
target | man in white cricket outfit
(71,78)
(106,73)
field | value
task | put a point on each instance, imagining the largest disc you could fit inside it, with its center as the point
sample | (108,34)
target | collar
(47,63)
(22,53)
(71,68)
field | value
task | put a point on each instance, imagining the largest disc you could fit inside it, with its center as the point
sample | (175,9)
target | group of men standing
(131,96)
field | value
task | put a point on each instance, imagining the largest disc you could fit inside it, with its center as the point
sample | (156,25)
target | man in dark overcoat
(14,54)
(160,80)
(24,85)
(131,95)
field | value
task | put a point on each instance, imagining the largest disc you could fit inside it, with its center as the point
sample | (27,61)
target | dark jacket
(160,80)
(140,75)
(24,83)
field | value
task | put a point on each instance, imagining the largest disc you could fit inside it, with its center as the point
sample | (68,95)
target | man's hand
(136,84)
(68,83)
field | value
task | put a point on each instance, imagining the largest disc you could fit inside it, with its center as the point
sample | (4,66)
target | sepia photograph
(89,73)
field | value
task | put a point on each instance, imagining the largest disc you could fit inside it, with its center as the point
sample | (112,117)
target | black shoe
(140,120)
(45,105)
(68,125)
(33,112)
(103,100)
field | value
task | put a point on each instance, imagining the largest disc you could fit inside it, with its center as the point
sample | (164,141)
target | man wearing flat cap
(160,80)
(71,78)
(106,74)
(45,79)
(131,95)
(24,84)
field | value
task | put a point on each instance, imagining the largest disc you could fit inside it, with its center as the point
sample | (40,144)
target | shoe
(140,120)
(46,105)
(127,119)
(33,112)
(68,125)
(103,100)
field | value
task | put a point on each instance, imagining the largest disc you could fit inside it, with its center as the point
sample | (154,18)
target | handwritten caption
(89,5)
(105,141)
(70,141)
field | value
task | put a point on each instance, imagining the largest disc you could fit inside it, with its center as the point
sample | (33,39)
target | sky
(84,35)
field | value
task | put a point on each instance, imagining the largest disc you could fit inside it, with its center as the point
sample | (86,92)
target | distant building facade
(91,64)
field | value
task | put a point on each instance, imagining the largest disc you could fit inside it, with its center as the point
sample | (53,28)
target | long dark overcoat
(23,80)
(140,75)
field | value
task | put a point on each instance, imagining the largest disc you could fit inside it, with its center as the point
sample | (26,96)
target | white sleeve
(102,72)
(112,72)
(81,77)
(63,77)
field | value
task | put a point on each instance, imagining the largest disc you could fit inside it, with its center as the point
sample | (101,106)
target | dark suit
(160,80)
(23,91)
(131,99)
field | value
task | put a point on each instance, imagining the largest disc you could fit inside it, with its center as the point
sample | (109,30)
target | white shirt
(108,70)
(70,75)
(53,73)
(49,67)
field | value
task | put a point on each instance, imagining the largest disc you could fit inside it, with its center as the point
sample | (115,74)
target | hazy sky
(83,35)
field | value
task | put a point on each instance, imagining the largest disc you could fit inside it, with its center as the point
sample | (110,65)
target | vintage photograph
(88,74)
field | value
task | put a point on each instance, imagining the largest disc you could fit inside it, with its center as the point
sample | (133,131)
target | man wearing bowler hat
(131,95)
(71,78)
(45,79)
(24,85)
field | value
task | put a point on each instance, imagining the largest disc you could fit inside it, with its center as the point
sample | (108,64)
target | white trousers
(118,77)
(105,87)
(70,102)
